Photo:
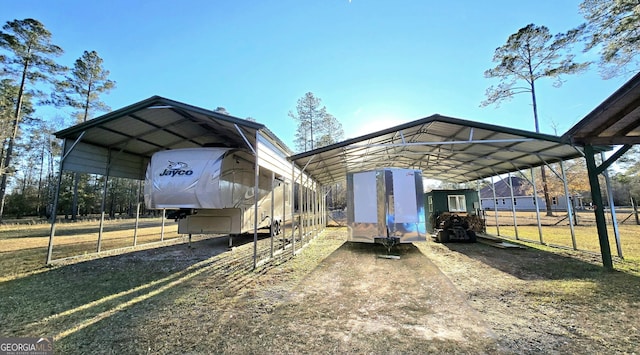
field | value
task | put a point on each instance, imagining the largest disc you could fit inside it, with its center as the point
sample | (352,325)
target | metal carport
(121,143)
(444,148)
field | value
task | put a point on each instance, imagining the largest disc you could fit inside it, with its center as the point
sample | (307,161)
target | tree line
(32,76)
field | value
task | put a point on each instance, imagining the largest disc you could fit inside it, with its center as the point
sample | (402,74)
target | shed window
(457,203)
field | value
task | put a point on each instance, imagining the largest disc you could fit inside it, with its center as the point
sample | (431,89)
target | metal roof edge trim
(617,95)
(277,140)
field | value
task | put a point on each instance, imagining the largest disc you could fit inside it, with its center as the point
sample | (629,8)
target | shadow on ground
(533,264)
(31,303)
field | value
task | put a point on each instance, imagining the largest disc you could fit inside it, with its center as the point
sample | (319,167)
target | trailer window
(457,203)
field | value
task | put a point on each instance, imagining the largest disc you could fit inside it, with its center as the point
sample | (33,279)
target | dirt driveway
(354,297)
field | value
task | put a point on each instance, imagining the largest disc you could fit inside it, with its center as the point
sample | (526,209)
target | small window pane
(457,203)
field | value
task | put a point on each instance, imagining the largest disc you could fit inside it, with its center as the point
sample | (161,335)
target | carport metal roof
(123,141)
(615,121)
(444,148)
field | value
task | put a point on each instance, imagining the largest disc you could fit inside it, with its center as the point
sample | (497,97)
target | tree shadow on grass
(533,264)
(48,302)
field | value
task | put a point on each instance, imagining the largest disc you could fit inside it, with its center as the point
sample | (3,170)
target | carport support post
(314,193)
(479,196)
(323,207)
(569,206)
(314,205)
(300,210)
(273,195)
(135,230)
(162,225)
(596,196)
(495,205)
(614,219)
(305,208)
(102,208)
(293,208)
(513,206)
(256,192)
(535,202)
(283,231)
(54,217)
(54,209)
(319,195)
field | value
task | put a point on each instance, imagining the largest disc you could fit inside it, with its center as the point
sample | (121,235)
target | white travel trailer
(211,191)
(386,206)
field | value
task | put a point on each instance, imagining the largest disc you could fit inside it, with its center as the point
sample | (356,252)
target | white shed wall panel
(270,158)
(273,159)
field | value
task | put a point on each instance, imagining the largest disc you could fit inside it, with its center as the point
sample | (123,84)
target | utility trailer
(211,191)
(385,206)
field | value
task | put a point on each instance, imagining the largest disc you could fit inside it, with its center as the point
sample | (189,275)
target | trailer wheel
(443,236)
(472,236)
(276,228)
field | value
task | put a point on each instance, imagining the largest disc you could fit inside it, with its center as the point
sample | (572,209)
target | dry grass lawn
(332,297)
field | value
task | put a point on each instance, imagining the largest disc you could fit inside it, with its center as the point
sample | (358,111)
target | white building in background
(522,198)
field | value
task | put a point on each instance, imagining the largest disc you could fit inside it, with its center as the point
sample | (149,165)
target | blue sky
(373,63)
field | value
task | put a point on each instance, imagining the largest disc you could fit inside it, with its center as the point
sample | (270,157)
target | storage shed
(462,201)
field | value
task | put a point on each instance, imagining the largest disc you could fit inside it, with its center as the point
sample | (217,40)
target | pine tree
(316,128)
(613,28)
(29,58)
(531,54)
(81,90)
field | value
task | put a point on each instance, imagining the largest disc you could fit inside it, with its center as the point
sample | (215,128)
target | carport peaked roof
(444,148)
(158,124)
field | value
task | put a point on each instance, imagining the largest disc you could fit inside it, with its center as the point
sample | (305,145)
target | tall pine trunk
(12,139)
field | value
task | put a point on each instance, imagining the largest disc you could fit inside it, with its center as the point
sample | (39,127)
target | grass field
(23,248)
(174,299)
(557,232)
